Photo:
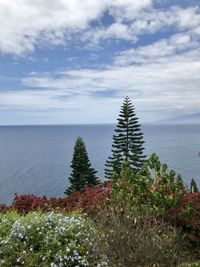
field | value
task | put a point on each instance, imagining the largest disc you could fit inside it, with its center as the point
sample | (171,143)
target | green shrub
(166,188)
(49,239)
(133,237)
(195,264)
(186,216)
(153,187)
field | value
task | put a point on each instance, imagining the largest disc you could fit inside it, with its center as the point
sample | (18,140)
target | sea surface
(36,159)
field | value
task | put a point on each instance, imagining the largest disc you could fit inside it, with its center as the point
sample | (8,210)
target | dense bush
(4,208)
(27,203)
(128,212)
(48,239)
(93,199)
(166,188)
(90,201)
(133,237)
(153,187)
(187,216)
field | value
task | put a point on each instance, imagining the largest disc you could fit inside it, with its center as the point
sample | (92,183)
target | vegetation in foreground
(143,219)
(48,239)
(144,216)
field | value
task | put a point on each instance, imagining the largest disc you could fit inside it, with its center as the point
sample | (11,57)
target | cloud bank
(161,75)
(27,23)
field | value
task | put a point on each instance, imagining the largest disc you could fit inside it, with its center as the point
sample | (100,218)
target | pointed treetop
(82,172)
(127,141)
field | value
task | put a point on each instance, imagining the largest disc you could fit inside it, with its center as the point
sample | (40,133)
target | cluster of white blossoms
(48,239)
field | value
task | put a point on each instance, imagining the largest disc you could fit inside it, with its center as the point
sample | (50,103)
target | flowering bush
(166,189)
(152,187)
(49,239)
(93,199)
(89,201)
(4,208)
(27,203)
(187,216)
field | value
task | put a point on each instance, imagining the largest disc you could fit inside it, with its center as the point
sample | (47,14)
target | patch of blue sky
(10,83)
(104,93)
(169,3)
(162,34)
(73,62)
(105,20)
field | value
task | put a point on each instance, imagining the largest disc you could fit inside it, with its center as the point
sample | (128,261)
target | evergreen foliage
(193,186)
(127,142)
(82,172)
(180,182)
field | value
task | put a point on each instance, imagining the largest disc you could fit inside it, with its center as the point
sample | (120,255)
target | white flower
(19,259)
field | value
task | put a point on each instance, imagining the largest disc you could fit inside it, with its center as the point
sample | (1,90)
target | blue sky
(74,61)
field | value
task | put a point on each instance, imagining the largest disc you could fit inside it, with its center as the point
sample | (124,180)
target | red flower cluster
(89,201)
(187,216)
(4,208)
(27,203)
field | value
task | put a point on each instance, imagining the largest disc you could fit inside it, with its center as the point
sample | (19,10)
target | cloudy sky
(73,61)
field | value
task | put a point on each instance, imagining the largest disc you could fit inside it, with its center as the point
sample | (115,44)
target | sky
(73,61)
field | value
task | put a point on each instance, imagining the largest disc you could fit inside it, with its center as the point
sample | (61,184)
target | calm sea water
(36,159)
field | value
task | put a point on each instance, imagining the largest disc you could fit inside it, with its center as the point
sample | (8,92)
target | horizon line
(103,123)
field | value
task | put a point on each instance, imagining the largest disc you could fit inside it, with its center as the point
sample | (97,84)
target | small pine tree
(82,172)
(127,142)
(193,186)
(180,182)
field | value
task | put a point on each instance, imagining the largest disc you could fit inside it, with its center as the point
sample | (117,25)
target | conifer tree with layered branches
(127,142)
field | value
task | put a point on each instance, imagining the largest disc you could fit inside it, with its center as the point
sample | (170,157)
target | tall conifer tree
(82,172)
(193,186)
(127,142)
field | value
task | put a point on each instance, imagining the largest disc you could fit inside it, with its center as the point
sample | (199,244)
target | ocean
(36,159)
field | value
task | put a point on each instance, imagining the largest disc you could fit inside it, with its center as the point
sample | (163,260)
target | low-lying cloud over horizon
(75,61)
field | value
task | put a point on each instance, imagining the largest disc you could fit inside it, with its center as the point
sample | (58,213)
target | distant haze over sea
(36,159)
(193,118)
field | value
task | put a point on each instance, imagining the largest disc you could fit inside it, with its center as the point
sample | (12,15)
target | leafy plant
(134,237)
(186,215)
(4,208)
(89,201)
(49,239)
(152,187)
(166,189)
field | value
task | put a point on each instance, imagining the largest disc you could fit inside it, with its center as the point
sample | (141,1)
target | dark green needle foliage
(82,172)
(193,186)
(127,142)
(180,182)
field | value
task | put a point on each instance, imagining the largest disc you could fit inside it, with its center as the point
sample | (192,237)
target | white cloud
(181,40)
(127,9)
(188,18)
(29,23)
(114,31)
(160,50)
(148,21)
(154,20)
(159,89)
(162,77)
(25,23)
